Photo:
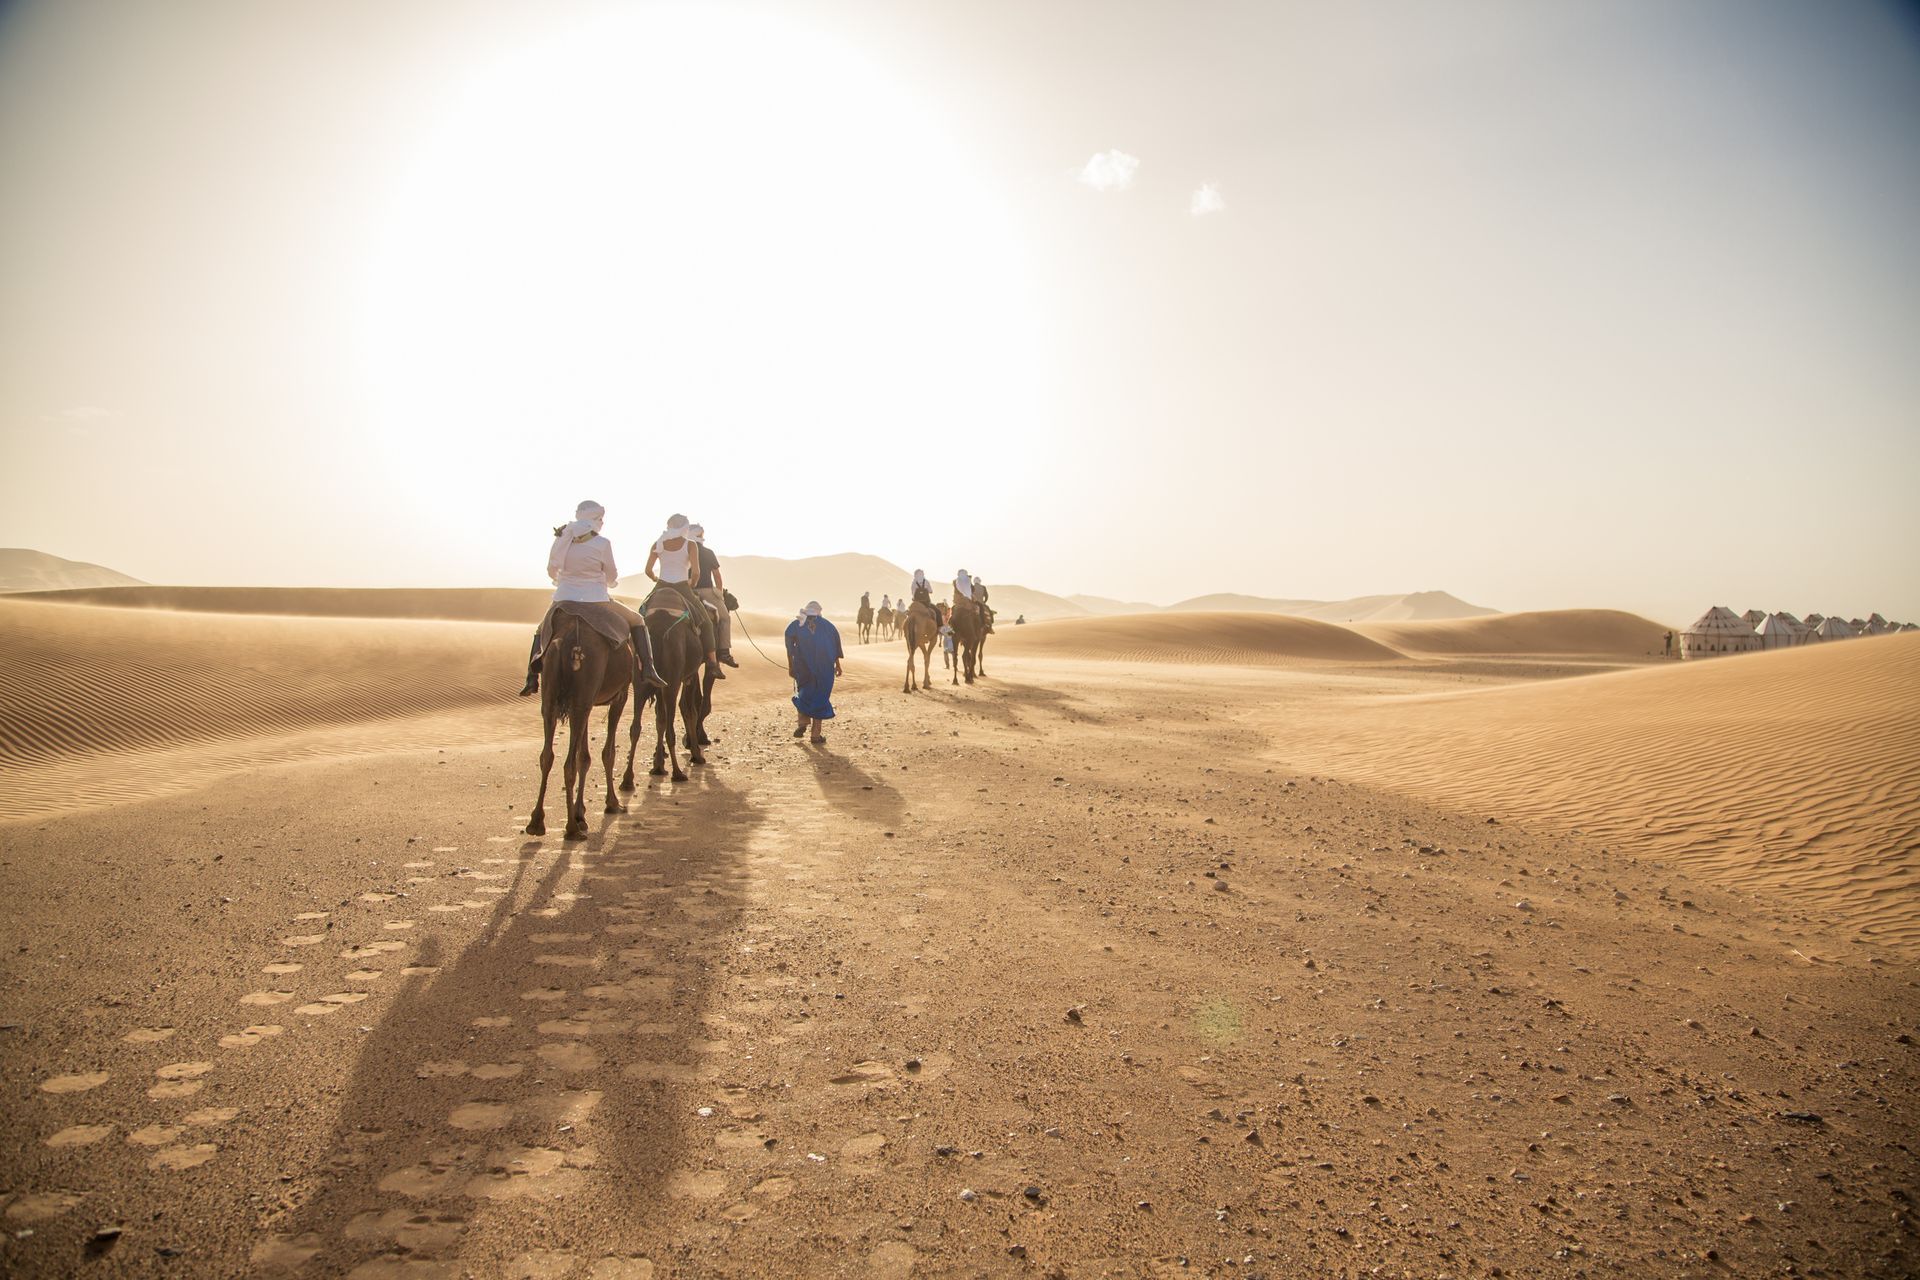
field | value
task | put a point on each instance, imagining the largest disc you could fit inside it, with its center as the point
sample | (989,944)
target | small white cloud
(1110,171)
(1205,201)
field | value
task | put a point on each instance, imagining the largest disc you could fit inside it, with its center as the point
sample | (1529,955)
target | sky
(1548,305)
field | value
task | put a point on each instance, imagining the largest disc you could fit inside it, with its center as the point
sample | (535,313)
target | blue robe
(812,648)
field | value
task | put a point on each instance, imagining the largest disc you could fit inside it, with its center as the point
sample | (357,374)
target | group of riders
(686,576)
(969,593)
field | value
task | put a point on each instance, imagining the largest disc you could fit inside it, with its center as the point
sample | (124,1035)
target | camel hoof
(679,775)
(537,827)
(614,806)
(626,783)
(658,771)
(576,833)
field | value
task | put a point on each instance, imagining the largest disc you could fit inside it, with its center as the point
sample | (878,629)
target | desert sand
(1180,945)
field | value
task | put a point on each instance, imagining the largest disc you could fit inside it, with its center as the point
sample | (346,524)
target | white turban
(698,532)
(676,527)
(813,608)
(588,517)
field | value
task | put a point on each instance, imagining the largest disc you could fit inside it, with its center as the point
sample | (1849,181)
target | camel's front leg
(537,823)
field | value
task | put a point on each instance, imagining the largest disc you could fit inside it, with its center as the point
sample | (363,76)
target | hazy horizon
(1607,305)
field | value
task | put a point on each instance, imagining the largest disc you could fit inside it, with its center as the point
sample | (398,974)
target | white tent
(1877,626)
(1834,629)
(1754,617)
(1815,619)
(1719,630)
(1777,633)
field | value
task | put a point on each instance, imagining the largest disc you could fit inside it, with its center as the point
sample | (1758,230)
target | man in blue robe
(813,660)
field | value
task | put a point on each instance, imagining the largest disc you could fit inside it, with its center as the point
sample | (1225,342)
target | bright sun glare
(692,220)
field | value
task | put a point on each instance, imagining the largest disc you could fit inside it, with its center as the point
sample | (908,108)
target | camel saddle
(609,617)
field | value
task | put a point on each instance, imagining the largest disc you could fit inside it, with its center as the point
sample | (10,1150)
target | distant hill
(24,570)
(1415,606)
(1102,607)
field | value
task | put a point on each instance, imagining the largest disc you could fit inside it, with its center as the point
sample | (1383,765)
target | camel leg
(612,751)
(668,707)
(633,738)
(956,665)
(537,821)
(691,720)
(661,699)
(579,757)
(706,709)
(908,687)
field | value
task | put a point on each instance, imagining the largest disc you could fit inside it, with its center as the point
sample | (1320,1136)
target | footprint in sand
(706,1184)
(318,1009)
(285,1253)
(148,1035)
(778,1187)
(864,1147)
(862,1073)
(346,997)
(544,994)
(40,1206)
(156,1135)
(397,925)
(311,915)
(892,1261)
(80,1135)
(569,1056)
(175,1089)
(413,1232)
(364,975)
(303,940)
(183,1157)
(209,1117)
(249,1036)
(498,1070)
(281,967)
(481,1116)
(529,1171)
(266,997)
(75,1083)
(541,1264)
(367,950)
(183,1070)
(567,961)
(418,970)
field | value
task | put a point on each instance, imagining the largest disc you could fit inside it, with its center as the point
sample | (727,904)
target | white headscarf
(813,609)
(588,518)
(697,532)
(676,527)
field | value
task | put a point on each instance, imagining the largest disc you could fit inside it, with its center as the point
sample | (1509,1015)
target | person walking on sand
(670,563)
(580,566)
(813,660)
(713,589)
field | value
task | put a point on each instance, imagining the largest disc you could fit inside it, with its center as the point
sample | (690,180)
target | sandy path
(783,1018)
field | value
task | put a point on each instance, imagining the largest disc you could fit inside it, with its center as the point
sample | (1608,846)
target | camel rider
(866,601)
(886,602)
(581,568)
(671,563)
(923,590)
(713,589)
(963,592)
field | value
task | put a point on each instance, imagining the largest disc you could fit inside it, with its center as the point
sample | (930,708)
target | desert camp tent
(1719,630)
(1777,633)
(1833,629)
(1754,617)
(1877,626)
(1815,619)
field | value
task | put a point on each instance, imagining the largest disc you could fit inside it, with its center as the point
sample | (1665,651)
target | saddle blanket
(608,617)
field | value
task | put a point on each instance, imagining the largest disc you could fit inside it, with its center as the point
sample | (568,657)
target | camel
(678,656)
(864,620)
(583,670)
(884,620)
(980,653)
(969,625)
(922,629)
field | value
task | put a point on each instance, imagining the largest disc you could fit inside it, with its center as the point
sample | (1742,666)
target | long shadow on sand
(521,1096)
(852,791)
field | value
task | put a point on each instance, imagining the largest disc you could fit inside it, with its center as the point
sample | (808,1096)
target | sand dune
(24,570)
(1605,633)
(1795,774)
(1238,639)
(1404,607)
(79,682)
(459,604)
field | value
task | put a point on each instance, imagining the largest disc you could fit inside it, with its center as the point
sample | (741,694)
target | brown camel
(884,621)
(678,656)
(864,620)
(969,627)
(922,628)
(583,670)
(980,653)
